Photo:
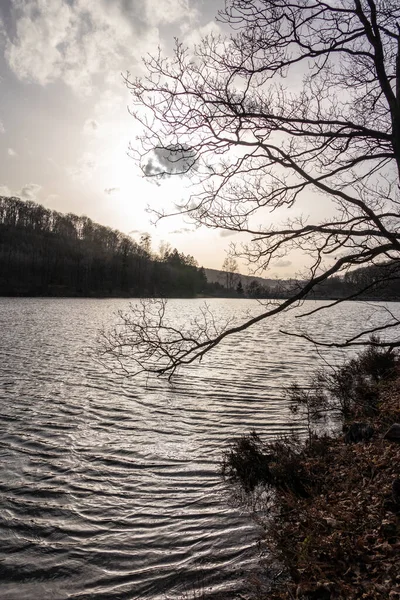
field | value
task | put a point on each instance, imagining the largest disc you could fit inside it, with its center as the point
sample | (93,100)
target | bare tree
(301,101)
(145,242)
(230,267)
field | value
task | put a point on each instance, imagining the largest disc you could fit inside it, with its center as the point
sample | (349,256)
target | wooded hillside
(44,252)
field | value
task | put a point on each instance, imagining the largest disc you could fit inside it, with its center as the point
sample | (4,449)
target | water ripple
(110,490)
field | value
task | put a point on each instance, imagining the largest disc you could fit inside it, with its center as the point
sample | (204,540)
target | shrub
(355,386)
(250,462)
(247,462)
(349,391)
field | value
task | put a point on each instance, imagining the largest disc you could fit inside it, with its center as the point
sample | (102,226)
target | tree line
(44,252)
(47,253)
(375,282)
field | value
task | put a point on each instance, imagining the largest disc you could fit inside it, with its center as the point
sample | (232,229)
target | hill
(216,276)
(47,253)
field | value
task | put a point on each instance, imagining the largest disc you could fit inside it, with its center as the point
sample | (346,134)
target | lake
(110,489)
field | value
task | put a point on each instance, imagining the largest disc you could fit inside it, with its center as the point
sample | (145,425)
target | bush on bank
(334,523)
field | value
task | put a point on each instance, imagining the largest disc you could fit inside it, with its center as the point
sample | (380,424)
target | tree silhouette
(230,268)
(301,103)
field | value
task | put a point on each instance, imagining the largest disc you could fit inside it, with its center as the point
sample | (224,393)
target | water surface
(111,490)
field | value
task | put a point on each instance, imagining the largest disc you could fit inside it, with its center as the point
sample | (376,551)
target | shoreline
(337,537)
(196,297)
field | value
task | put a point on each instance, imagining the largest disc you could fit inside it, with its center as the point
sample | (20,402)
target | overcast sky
(64,124)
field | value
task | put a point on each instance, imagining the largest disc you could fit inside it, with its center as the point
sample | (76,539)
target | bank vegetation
(329,503)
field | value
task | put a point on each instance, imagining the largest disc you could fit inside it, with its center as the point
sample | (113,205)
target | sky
(64,122)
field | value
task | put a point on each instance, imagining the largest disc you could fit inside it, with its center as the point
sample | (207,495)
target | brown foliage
(344,541)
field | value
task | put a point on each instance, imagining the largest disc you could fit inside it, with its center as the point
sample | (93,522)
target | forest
(46,253)
(374,282)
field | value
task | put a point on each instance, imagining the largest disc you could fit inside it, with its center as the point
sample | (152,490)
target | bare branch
(224,116)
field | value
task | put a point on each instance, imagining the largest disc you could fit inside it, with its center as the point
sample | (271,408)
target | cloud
(182,230)
(2,129)
(227,233)
(282,263)
(90,126)
(165,12)
(37,50)
(29,191)
(84,168)
(178,159)
(5,191)
(12,153)
(111,190)
(77,41)
(194,36)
